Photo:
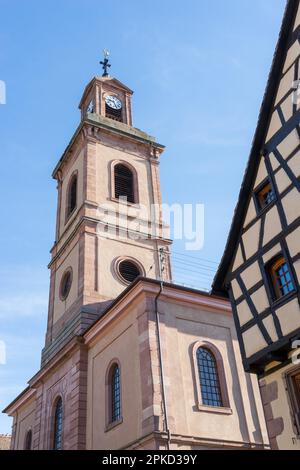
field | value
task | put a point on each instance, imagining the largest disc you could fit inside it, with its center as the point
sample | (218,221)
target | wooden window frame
(272,267)
(262,189)
(294,401)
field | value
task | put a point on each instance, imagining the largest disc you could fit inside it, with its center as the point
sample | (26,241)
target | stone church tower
(98,234)
(131,360)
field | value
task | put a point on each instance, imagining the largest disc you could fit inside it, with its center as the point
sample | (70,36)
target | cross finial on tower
(104,63)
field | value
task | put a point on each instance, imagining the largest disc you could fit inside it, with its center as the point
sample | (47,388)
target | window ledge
(70,215)
(215,409)
(113,425)
(283,300)
(135,205)
(263,210)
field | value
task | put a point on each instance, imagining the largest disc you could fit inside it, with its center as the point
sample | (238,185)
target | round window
(129,271)
(65,284)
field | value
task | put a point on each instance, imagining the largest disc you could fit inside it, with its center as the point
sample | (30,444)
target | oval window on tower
(128,270)
(65,284)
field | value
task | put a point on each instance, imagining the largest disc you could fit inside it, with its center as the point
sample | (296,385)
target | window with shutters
(28,440)
(71,196)
(293,381)
(58,425)
(115,114)
(124,183)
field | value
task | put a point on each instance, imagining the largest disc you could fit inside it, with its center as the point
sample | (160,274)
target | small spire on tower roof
(105,64)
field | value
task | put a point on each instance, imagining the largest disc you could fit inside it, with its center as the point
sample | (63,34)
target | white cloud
(24,292)
(27,304)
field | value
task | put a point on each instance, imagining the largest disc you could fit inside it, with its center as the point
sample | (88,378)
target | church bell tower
(109,227)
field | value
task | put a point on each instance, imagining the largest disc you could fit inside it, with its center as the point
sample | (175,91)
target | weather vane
(104,63)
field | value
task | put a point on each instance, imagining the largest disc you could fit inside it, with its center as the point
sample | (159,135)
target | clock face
(113,102)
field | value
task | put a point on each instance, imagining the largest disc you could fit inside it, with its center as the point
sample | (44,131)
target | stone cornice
(67,150)
(93,205)
(120,128)
(30,391)
(95,122)
(96,222)
(21,399)
(190,440)
(170,292)
(61,356)
(198,298)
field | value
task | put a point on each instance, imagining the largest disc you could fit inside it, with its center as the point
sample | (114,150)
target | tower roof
(112,82)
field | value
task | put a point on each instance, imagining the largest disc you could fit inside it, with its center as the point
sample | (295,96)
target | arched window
(28,440)
(114,394)
(124,183)
(280,277)
(58,425)
(209,378)
(72,195)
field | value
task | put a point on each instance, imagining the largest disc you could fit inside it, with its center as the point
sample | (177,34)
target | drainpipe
(160,358)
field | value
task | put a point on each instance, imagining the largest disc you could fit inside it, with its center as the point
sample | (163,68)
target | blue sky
(198,69)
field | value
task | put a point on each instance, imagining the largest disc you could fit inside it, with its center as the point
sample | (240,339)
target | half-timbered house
(260,268)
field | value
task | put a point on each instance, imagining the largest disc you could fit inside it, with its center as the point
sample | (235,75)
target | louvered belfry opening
(129,270)
(72,195)
(28,440)
(124,184)
(111,113)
